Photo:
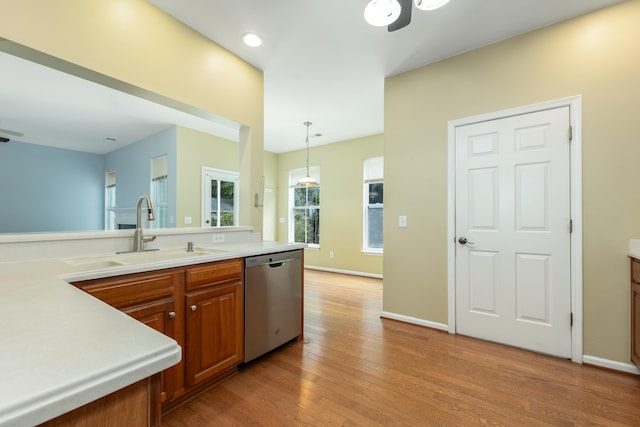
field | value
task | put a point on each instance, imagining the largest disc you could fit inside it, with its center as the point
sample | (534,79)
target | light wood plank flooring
(356,369)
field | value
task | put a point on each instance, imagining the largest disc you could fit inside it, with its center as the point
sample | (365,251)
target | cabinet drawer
(133,289)
(635,270)
(214,274)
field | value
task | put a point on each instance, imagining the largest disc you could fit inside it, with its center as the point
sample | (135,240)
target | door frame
(575,119)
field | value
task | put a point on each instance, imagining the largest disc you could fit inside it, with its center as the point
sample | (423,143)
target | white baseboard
(353,273)
(611,364)
(414,320)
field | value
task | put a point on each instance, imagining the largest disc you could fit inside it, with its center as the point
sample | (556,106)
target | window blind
(374,169)
(159,168)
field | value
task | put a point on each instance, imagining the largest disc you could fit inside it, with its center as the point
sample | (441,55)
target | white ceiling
(322,63)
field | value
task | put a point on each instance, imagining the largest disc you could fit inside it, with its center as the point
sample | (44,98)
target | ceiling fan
(396,14)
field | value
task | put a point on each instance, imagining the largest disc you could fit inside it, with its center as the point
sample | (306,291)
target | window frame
(209,174)
(294,176)
(373,173)
(159,178)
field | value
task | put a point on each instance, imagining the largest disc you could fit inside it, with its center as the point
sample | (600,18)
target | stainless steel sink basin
(134,258)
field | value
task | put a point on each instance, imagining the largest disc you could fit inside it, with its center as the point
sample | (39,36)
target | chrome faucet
(138,237)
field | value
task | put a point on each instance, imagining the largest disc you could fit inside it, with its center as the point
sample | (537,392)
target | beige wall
(341,192)
(595,56)
(133,41)
(196,150)
(270,208)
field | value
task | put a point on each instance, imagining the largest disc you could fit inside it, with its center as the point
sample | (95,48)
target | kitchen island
(63,348)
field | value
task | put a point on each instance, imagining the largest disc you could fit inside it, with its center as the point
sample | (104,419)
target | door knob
(193,307)
(464,241)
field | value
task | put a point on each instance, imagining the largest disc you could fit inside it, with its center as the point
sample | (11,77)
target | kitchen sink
(134,258)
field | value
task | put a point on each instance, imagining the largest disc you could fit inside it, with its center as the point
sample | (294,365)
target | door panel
(513,281)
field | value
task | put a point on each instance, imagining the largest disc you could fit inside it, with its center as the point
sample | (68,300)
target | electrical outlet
(281,220)
(402,221)
(187,220)
(331,254)
(218,238)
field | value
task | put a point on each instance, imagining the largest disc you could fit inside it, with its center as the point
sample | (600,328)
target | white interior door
(513,275)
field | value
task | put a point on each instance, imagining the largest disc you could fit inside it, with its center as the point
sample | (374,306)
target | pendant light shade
(307,181)
(381,13)
(430,4)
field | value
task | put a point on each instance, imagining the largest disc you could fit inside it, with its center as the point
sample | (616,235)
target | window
(220,197)
(159,191)
(304,204)
(373,204)
(110,201)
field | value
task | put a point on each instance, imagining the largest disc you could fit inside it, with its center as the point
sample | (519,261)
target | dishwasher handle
(279,263)
(272,264)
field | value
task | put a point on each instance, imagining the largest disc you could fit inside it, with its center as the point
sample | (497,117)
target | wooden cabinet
(149,298)
(215,319)
(201,307)
(635,311)
(129,406)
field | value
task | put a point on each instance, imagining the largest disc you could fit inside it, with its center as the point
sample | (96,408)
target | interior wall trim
(353,273)
(610,364)
(414,321)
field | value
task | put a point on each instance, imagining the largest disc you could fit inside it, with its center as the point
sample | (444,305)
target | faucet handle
(148,238)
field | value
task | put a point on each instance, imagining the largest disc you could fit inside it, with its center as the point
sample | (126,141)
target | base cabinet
(132,406)
(215,319)
(635,311)
(201,307)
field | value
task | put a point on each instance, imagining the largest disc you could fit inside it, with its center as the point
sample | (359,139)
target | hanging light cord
(307,124)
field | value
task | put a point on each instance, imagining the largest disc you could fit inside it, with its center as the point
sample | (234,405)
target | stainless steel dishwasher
(273,301)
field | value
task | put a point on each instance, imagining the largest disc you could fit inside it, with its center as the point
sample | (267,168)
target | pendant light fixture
(307,181)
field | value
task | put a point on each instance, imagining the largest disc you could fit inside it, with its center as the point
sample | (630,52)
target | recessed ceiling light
(251,39)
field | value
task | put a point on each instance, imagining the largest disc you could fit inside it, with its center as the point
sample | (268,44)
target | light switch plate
(402,221)
(218,238)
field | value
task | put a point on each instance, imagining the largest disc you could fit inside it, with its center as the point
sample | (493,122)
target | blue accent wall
(46,189)
(132,164)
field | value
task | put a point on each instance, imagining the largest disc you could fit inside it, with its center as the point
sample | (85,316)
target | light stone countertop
(62,348)
(634,248)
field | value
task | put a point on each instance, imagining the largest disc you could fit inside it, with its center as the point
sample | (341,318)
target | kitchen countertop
(634,248)
(62,348)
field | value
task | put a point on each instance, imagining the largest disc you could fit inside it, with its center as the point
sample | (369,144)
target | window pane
(374,231)
(299,196)
(299,225)
(226,203)
(313,194)
(376,193)
(313,226)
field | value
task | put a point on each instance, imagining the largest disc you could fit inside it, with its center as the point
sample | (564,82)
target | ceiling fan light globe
(430,4)
(381,13)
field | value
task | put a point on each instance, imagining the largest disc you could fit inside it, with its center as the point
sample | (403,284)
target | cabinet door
(635,311)
(214,341)
(159,315)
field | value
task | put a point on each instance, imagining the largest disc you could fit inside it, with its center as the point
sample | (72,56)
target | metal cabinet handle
(172,314)
(464,241)
(193,307)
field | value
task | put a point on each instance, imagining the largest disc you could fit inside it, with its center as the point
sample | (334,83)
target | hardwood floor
(356,369)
